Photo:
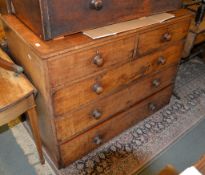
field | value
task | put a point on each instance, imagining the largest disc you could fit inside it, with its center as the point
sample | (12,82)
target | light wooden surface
(16,98)
(32,114)
(13,88)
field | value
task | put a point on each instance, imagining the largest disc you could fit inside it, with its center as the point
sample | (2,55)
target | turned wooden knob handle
(97,140)
(97,88)
(167,37)
(162,60)
(96,4)
(98,60)
(96,114)
(156,83)
(152,107)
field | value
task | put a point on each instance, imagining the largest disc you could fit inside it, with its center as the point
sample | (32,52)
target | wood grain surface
(63,72)
(49,19)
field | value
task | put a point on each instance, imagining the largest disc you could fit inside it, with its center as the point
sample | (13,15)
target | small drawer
(66,68)
(77,122)
(104,84)
(83,144)
(155,39)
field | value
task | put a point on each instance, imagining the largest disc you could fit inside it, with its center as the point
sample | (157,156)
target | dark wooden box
(53,18)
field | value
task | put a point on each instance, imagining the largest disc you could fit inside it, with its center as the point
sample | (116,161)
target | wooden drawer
(95,137)
(155,39)
(52,18)
(106,83)
(71,67)
(73,123)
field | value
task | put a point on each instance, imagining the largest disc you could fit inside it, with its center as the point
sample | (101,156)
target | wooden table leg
(35,129)
(189,44)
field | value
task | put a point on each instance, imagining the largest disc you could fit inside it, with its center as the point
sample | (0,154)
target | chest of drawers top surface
(71,43)
(51,18)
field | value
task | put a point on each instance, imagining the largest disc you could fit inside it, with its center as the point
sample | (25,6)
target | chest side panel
(29,12)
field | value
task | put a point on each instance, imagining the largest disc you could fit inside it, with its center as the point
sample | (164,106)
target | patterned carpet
(133,149)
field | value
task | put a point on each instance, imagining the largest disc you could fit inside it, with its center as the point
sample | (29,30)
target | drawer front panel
(154,39)
(71,67)
(104,84)
(72,150)
(77,15)
(73,123)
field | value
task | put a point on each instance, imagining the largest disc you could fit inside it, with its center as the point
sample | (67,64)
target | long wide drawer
(95,137)
(105,83)
(61,17)
(77,122)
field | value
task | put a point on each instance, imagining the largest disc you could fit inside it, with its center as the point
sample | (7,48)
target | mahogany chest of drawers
(51,18)
(92,90)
